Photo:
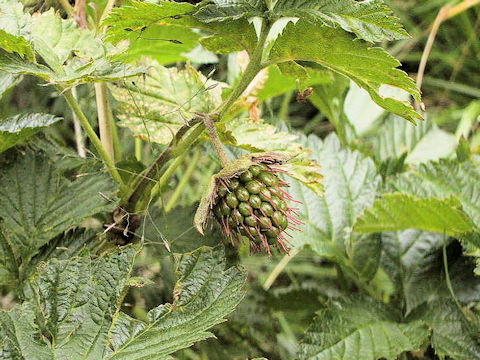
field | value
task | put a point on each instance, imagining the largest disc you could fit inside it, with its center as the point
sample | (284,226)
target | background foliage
(387,261)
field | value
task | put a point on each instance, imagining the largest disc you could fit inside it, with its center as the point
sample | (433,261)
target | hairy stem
(105,123)
(217,143)
(138,149)
(108,161)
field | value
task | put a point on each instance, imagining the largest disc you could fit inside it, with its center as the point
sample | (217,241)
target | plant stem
(93,137)
(283,113)
(143,185)
(448,281)
(217,143)
(104,120)
(78,130)
(279,268)
(138,149)
(168,174)
(183,182)
(253,68)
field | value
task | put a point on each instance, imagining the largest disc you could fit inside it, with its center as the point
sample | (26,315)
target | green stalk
(183,182)
(138,149)
(143,189)
(104,121)
(168,174)
(253,68)
(143,184)
(73,104)
(279,268)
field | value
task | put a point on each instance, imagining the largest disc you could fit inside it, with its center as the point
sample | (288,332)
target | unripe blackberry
(248,201)
(263,216)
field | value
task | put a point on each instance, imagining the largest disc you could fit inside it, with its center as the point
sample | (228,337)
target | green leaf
(54,39)
(20,127)
(451,335)
(20,337)
(70,306)
(369,20)
(279,82)
(16,44)
(223,10)
(407,253)
(155,108)
(350,181)
(15,29)
(7,82)
(137,16)
(74,55)
(335,50)
(165,44)
(423,142)
(360,329)
(442,180)
(206,292)
(37,203)
(400,212)
(8,264)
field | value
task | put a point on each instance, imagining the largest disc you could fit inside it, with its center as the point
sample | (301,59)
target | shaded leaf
(20,127)
(400,212)
(176,228)
(156,108)
(451,335)
(38,204)
(360,329)
(72,303)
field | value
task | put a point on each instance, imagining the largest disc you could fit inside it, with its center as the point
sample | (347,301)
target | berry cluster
(253,204)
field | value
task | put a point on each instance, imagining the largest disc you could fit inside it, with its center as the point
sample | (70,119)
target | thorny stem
(73,104)
(143,184)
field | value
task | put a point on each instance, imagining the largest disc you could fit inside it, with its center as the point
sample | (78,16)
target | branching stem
(143,185)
